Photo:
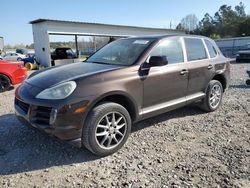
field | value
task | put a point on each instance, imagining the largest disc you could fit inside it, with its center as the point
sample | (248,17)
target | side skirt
(170,105)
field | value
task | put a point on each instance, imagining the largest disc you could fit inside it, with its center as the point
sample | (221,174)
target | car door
(12,57)
(7,57)
(15,57)
(199,66)
(165,87)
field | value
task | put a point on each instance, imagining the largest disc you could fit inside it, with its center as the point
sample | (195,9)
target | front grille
(40,115)
(24,106)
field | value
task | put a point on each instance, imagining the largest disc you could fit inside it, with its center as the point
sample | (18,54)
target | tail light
(21,65)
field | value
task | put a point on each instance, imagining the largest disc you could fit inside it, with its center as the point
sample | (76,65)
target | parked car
(30,59)
(63,53)
(11,73)
(23,51)
(243,56)
(13,57)
(94,103)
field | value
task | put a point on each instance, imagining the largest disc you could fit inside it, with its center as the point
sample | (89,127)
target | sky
(16,14)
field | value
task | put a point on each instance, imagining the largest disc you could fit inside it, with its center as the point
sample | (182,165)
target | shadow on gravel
(24,149)
(11,88)
(182,112)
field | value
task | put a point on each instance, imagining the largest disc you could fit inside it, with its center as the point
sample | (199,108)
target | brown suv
(95,102)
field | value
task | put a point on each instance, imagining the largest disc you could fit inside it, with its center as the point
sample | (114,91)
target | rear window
(211,49)
(195,49)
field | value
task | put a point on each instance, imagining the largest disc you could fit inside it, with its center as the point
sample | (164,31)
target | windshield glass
(121,52)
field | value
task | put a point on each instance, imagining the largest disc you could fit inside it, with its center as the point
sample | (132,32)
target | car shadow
(10,88)
(24,149)
(179,113)
(240,86)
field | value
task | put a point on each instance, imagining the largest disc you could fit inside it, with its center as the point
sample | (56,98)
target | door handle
(209,66)
(184,72)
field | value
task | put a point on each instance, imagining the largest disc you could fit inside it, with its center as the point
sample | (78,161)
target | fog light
(52,118)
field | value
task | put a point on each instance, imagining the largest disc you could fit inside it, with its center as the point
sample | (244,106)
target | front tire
(213,97)
(4,83)
(106,129)
(248,82)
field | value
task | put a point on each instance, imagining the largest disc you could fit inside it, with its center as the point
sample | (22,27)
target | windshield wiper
(97,62)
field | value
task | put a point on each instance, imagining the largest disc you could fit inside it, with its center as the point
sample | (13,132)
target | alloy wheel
(215,96)
(111,130)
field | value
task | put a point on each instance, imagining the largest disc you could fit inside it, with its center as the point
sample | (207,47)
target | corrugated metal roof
(40,20)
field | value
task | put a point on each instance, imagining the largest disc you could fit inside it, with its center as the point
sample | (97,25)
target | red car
(11,73)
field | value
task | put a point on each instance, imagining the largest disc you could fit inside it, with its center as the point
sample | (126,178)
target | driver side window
(171,48)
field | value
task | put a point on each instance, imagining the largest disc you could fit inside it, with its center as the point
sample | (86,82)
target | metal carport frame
(42,28)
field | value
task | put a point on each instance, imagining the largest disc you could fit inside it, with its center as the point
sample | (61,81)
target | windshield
(121,52)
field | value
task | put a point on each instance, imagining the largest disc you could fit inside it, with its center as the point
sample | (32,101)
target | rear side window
(171,48)
(195,49)
(211,49)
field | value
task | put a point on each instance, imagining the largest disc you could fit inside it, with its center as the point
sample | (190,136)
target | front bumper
(19,76)
(58,119)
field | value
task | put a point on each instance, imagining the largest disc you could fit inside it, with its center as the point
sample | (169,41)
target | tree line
(228,21)
(91,43)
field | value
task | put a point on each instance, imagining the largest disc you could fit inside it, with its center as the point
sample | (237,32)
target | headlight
(60,91)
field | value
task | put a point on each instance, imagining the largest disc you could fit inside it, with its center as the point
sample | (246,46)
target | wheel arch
(221,78)
(118,97)
(7,75)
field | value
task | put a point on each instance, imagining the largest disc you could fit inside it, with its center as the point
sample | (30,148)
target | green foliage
(244,27)
(215,36)
(226,22)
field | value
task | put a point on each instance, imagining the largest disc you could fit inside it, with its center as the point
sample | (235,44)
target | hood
(55,75)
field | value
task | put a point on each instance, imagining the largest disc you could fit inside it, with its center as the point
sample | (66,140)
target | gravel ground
(183,148)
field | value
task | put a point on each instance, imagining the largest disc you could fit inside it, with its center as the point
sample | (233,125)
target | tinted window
(171,48)
(195,49)
(211,49)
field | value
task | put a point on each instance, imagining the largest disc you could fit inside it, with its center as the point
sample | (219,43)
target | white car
(13,57)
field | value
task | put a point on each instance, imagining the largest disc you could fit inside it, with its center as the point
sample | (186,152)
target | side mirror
(155,61)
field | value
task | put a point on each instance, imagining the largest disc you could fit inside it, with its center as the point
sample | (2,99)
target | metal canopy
(42,28)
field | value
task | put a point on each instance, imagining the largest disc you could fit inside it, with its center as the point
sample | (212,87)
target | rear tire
(5,83)
(213,97)
(19,59)
(106,129)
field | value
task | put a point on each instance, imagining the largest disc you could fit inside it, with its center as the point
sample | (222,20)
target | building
(42,28)
(230,46)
